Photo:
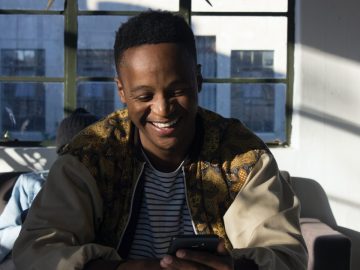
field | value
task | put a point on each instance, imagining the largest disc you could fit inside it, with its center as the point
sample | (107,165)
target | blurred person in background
(29,184)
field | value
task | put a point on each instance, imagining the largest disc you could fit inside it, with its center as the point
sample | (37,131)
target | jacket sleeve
(263,221)
(24,191)
(10,221)
(59,230)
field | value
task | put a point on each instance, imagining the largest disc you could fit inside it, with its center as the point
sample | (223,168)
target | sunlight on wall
(25,159)
(333,81)
(326,129)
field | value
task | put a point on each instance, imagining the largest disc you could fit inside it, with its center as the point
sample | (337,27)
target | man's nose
(162,106)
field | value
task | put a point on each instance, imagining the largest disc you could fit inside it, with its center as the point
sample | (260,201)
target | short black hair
(153,27)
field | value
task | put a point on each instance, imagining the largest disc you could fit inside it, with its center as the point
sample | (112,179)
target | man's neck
(165,161)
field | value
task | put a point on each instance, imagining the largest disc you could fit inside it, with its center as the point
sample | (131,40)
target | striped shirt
(163,213)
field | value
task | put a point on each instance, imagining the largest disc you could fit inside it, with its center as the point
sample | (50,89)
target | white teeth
(165,125)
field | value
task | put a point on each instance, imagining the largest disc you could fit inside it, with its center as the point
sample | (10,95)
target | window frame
(70,78)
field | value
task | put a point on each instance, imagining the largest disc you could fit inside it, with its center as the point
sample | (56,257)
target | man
(162,167)
(28,185)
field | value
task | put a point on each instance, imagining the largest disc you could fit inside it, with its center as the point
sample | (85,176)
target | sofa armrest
(328,249)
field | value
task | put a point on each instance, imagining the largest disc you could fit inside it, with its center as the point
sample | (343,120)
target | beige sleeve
(263,221)
(60,226)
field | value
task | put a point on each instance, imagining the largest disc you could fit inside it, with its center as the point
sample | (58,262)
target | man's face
(158,82)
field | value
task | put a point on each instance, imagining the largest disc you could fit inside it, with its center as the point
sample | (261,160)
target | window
(22,62)
(206,55)
(31,71)
(252,64)
(250,77)
(259,106)
(23,103)
(54,60)
(96,97)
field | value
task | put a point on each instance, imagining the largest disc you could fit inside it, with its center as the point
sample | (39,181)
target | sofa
(328,248)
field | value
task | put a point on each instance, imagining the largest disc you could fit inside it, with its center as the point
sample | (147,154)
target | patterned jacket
(227,164)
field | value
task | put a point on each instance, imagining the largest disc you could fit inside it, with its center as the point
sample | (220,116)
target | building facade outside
(228,47)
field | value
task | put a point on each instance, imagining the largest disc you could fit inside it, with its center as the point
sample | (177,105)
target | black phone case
(206,243)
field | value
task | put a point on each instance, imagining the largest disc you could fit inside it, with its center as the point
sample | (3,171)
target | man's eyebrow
(179,83)
(139,88)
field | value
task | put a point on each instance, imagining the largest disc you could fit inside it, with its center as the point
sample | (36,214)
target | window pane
(95,44)
(30,111)
(252,63)
(207,97)
(31,4)
(240,5)
(244,46)
(99,98)
(96,63)
(23,62)
(32,45)
(206,55)
(129,5)
(261,107)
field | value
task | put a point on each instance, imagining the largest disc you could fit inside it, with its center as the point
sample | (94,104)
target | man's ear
(121,92)
(199,77)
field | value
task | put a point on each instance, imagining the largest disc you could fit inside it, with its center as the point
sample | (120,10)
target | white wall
(326,121)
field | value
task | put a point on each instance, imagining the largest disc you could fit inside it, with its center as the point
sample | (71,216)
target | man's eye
(144,98)
(180,91)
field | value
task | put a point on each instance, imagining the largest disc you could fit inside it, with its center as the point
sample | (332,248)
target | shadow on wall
(329,119)
(332,25)
(329,26)
(354,129)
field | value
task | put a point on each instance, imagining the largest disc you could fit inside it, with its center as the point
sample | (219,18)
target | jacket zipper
(187,202)
(131,206)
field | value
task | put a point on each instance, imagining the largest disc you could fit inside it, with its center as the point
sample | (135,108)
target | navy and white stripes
(163,213)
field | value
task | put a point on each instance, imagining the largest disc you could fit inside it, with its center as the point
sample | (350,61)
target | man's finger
(174,263)
(214,261)
(221,249)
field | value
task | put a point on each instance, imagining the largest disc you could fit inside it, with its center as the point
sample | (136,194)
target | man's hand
(146,264)
(195,260)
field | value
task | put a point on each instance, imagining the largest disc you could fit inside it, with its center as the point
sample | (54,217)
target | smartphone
(207,243)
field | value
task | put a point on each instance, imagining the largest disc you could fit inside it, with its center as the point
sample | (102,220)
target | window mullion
(185,10)
(290,67)
(70,49)
(30,79)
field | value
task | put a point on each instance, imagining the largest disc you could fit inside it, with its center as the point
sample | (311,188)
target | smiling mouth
(169,124)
